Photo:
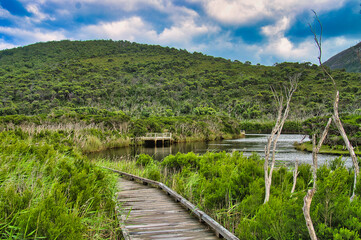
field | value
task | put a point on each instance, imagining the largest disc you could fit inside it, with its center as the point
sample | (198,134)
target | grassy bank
(336,150)
(48,190)
(92,130)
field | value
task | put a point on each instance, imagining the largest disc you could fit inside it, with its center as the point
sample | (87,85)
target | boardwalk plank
(152,214)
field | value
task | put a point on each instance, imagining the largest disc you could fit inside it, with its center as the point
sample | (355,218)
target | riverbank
(325,149)
(107,130)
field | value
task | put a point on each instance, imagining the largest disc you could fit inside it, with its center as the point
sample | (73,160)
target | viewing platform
(155,139)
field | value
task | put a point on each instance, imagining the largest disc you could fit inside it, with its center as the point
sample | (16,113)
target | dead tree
(307,200)
(277,129)
(335,116)
(295,174)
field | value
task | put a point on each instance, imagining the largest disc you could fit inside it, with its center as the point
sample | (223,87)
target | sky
(259,31)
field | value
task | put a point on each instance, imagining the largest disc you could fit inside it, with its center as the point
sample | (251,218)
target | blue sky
(260,31)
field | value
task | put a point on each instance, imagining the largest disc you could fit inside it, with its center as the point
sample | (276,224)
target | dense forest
(145,80)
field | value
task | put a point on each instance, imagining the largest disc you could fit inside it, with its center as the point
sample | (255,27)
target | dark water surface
(251,143)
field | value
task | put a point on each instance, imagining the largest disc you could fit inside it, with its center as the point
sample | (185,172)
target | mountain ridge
(348,59)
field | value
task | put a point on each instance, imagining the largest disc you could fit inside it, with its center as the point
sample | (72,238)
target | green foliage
(152,171)
(49,191)
(143,160)
(144,81)
(179,161)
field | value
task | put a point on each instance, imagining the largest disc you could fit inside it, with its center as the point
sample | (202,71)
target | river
(251,143)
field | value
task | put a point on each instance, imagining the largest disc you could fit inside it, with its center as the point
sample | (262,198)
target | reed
(49,191)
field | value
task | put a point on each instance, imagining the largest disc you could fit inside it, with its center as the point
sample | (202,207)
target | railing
(220,231)
(158,135)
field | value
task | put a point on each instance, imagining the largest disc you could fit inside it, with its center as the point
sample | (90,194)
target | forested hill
(349,59)
(146,80)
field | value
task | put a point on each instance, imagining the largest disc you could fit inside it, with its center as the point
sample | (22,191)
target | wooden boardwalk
(160,213)
(151,214)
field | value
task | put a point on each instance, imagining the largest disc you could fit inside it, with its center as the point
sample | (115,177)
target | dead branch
(307,200)
(335,116)
(276,131)
(316,149)
(295,174)
(340,128)
(318,41)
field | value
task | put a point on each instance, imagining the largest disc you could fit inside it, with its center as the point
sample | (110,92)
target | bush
(143,160)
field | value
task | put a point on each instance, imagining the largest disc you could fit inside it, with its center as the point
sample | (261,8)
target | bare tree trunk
(335,105)
(295,174)
(316,150)
(314,161)
(277,129)
(307,200)
(340,128)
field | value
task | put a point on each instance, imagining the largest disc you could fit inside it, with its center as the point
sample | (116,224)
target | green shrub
(143,160)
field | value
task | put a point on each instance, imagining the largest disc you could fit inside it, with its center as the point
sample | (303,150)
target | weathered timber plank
(154,215)
(147,207)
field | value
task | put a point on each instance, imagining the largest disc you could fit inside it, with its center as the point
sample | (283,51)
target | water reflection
(251,143)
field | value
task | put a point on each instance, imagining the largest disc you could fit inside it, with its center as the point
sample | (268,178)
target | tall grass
(87,137)
(50,191)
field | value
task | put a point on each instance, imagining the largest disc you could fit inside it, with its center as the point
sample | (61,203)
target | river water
(248,145)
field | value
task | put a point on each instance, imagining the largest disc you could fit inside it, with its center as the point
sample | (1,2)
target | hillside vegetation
(144,80)
(347,59)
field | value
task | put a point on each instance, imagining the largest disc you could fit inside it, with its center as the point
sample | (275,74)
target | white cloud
(33,35)
(241,12)
(38,16)
(127,5)
(236,11)
(184,32)
(4,13)
(135,29)
(284,49)
(129,29)
(5,45)
(280,46)
(278,29)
